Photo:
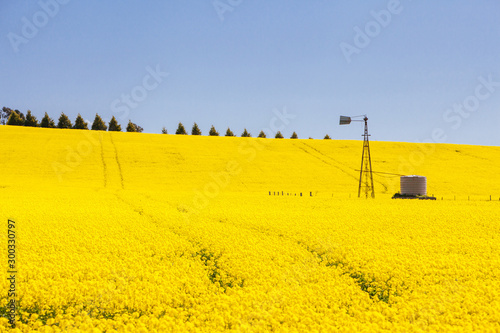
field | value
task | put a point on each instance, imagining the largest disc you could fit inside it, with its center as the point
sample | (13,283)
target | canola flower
(165,233)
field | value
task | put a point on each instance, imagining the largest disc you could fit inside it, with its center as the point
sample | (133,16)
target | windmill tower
(365,172)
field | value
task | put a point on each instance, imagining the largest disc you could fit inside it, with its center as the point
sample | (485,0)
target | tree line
(17,118)
(195,130)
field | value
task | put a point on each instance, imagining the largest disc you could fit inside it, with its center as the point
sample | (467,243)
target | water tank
(414,185)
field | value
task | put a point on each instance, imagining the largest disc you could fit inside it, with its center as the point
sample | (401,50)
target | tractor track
(104,168)
(208,257)
(336,166)
(117,161)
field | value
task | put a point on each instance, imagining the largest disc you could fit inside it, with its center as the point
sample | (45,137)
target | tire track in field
(117,161)
(323,160)
(365,281)
(104,168)
(334,160)
(208,257)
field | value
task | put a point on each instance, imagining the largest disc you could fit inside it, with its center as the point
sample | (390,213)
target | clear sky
(422,70)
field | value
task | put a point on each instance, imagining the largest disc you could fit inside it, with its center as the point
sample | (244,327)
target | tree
(21,115)
(213,132)
(195,130)
(164,130)
(262,135)
(131,127)
(30,120)
(80,123)
(180,130)
(47,122)
(245,134)
(138,128)
(229,132)
(294,136)
(114,126)
(327,137)
(99,124)
(5,114)
(15,119)
(64,122)
(279,135)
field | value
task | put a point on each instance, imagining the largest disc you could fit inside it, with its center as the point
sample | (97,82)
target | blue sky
(421,70)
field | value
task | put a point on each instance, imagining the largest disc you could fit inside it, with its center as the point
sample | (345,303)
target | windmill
(365,173)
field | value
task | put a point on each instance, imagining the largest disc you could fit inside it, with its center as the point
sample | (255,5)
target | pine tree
(294,136)
(114,126)
(245,134)
(195,130)
(279,135)
(131,127)
(213,132)
(47,122)
(229,132)
(164,130)
(98,124)
(327,137)
(80,123)
(64,122)
(21,115)
(262,134)
(30,120)
(180,130)
(138,128)
(15,119)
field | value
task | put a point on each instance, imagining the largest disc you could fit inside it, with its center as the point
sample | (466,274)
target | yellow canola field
(137,232)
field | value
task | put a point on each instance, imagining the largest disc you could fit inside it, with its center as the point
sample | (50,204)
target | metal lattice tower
(365,173)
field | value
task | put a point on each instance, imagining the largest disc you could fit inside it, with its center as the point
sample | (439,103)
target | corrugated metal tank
(414,185)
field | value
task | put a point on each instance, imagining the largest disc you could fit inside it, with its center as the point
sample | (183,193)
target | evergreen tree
(131,127)
(114,126)
(47,122)
(99,124)
(245,134)
(138,128)
(15,119)
(64,122)
(164,130)
(279,135)
(30,120)
(213,132)
(327,137)
(195,130)
(21,115)
(80,123)
(180,130)
(262,134)
(229,132)
(294,136)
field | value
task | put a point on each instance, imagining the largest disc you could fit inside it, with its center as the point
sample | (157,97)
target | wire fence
(324,194)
